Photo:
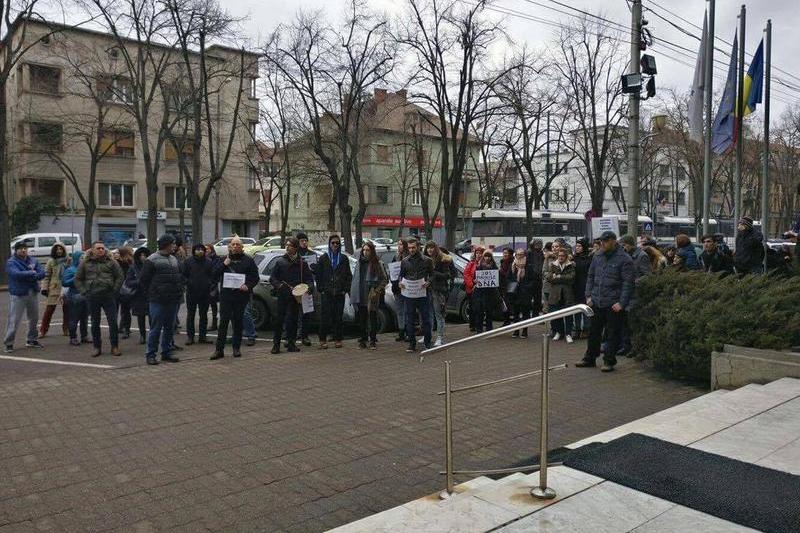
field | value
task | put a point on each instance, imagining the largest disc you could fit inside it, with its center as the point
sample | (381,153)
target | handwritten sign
(310,259)
(485,279)
(394,270)
(413,288)
(601,224)
(232,280)
(308,303)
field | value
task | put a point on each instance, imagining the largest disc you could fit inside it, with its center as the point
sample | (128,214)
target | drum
(298,291)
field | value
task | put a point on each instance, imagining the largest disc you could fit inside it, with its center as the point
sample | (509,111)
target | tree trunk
(5,219)
(342,200)
(450,224)
(88,221)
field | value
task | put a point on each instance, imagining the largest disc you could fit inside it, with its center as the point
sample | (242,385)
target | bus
(497,228)
(669,227)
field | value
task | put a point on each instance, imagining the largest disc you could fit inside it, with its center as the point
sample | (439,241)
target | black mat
(744,493)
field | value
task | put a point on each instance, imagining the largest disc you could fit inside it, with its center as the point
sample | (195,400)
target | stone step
(778,355)
(784,385)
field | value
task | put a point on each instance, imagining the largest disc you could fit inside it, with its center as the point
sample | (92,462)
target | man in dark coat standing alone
(198,272)
(162,279)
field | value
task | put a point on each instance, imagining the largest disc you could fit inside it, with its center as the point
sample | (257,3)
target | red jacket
(469,276)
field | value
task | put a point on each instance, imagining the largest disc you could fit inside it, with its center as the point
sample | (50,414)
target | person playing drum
(287,279)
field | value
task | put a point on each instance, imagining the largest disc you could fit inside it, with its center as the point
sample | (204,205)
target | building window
(115,89)
(663,195)
(47,188)
(252,179)
(560,195)
(117,143)
(663,171)
(297,201)
(382,194)
(681,198)
(416,196)
(510,196)
(116,195)
(45,79)
(176,197)
(382,152)
(46,136)
(252,87)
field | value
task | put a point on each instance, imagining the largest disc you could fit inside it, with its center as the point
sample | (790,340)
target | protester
(78,309)
(140,307)
(469,284)
(444,271)
(333,282)
(714,260)
(162,280)
(523,280)
(536,260)
(641,268)
(213,299)
(582,260)
(658,262)
(289,271)
(749,256)
(304,324)
(124,257)
(198,274)
(99,278)
(51,288)
(487,299)
(685,250)
(400,304)
(562,279)
(24,273)
(550,250)
(366,294)
(413,268)
(505,272)
(233,300)
(608,288)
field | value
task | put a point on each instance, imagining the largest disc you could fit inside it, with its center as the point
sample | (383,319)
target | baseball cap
(608,235)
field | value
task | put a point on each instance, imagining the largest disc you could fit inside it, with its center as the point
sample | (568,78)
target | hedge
(679,318)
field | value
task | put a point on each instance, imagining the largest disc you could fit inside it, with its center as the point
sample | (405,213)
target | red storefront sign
(410,222)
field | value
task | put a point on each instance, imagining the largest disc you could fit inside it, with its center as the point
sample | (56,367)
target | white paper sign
(231,280)
(308,303)
(394,270)
(601,224)
(310,259)
(487,278)
(413,288)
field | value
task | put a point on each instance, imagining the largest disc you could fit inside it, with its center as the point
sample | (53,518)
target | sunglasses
(335,243)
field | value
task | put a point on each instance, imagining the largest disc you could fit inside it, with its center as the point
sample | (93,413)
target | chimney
(380,95)
(402,94)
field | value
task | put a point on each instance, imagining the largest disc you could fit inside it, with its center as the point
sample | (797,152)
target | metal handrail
(541,319)
(542,491)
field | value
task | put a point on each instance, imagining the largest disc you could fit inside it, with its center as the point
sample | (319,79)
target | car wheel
(260,313)
(385,321)
(463,310)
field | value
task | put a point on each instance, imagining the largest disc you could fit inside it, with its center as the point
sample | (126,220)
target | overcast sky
(264,15)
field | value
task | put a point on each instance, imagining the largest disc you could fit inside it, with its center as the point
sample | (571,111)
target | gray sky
(264,15)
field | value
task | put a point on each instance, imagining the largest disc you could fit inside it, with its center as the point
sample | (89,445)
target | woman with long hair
(366,294)
(443,274)
(657,260)
(51,289)
(400,311)
(125,259)
(485,299)
(138,302)
(505,272)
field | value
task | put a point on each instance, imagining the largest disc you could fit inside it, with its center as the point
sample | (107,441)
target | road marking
(54,362)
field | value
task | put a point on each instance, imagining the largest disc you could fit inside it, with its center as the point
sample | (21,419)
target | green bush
(680,318)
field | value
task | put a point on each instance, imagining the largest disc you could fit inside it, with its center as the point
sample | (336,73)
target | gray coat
(611,279)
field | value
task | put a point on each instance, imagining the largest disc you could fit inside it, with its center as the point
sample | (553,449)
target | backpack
(68,276)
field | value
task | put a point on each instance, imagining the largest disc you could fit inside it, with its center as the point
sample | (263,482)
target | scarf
(334,257)
(520,266)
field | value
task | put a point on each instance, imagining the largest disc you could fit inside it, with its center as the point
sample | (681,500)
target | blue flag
(754,81)
(722,130)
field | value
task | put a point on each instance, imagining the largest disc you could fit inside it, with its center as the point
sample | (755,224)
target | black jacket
(240,264)
(416,267)
(199,275)
(536,260)
(333,281)
(582,263)
(749,251)
(287,273)
(716,262)
(161,278)
(444,272)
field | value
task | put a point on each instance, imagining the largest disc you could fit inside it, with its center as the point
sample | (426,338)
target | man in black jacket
(162,279)
(290,270)
(304,324)
(713,259)
(233,300)
(417,267)
(333,281)
(536,260)
(198,273)
(749,255)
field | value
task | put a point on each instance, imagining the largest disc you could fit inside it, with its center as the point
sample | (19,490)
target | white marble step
(788,385)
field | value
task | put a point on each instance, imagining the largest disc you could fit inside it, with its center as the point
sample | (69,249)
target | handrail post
(448,430)
(543,492)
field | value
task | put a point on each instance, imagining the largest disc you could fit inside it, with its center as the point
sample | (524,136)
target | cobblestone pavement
(296,442)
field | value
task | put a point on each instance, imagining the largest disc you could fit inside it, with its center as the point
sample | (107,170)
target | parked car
(267,243)
(265,305)
(40,244)
(221,247)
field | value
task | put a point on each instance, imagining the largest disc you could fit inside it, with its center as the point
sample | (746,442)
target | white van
(40,244)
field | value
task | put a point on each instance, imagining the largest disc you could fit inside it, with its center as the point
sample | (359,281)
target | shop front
(389,226)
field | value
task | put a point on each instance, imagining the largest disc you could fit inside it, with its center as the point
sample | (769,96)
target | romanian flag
(754,81)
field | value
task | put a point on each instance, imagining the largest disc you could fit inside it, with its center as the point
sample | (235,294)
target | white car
(40,244)
(221,247)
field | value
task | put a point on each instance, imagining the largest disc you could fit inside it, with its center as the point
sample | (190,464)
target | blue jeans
(438,301)
(19,306)
(412,305)
(162,326)
(78,315)
(249,325)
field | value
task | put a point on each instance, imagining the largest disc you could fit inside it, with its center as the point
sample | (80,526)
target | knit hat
(198,246)
(630,240)
(165,240)
(301,236)
(746,222)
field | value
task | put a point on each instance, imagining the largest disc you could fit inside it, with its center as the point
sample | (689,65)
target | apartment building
(54,98)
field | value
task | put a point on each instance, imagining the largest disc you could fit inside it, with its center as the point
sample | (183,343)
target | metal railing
(542,491)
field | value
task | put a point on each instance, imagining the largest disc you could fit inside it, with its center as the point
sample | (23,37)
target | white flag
(697,96)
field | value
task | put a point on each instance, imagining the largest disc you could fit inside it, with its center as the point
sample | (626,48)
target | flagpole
(737,186)
(766,184)
(709,89)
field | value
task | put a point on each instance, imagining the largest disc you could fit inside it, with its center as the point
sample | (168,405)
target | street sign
(648,227)
(142,215)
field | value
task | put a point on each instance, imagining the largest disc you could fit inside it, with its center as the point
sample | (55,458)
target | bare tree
(785,155)
(589,62)
(491,162)
(404,176)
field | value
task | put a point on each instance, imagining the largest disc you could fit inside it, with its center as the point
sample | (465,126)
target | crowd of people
(152,286)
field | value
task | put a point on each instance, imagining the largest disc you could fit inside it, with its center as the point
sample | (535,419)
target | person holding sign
(416,269)
(443,273)
(487,292)
(290,271)
(333,281)
(310,258)
(366,294)
(394,277)
(239,276)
